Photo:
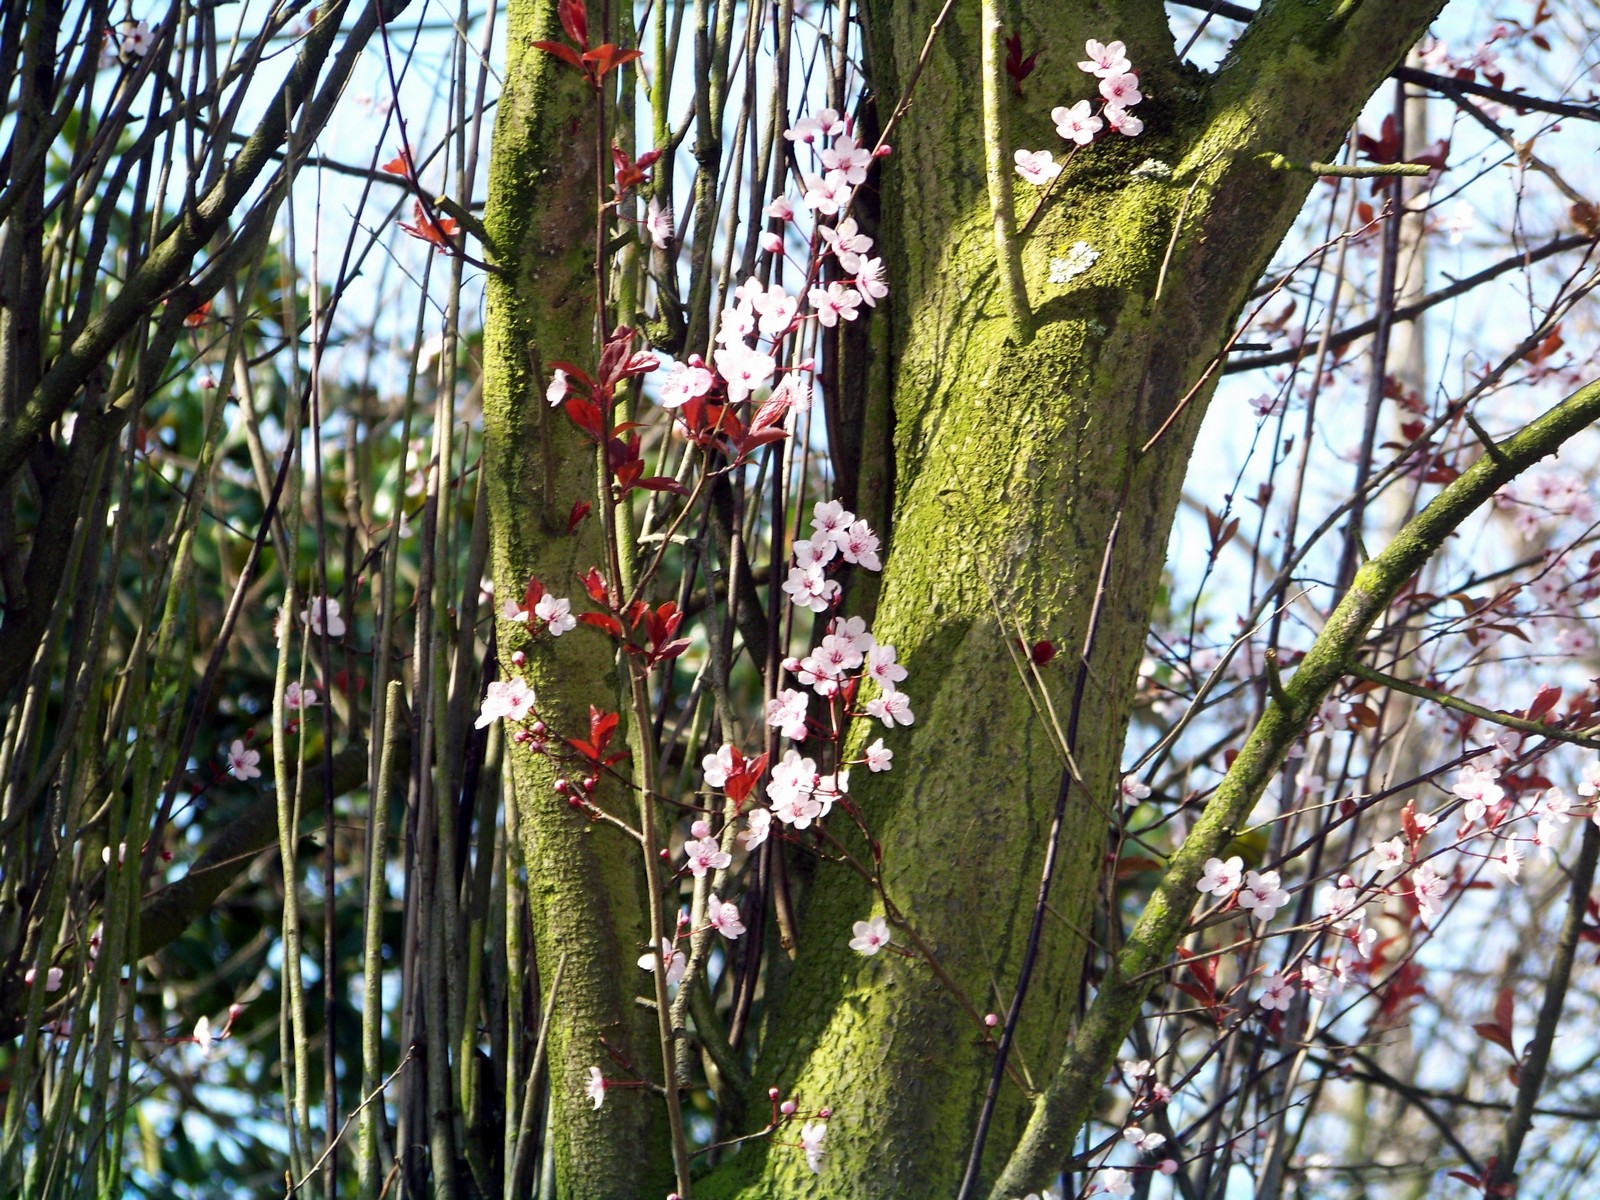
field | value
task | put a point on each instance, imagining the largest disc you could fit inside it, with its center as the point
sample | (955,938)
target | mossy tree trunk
(583,879)
(1017,452)
(1016,455)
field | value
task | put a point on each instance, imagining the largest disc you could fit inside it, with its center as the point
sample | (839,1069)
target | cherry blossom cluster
(1400,868)
(1078,124)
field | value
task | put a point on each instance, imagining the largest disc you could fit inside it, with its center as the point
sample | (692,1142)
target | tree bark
(1015,458)
(583,879)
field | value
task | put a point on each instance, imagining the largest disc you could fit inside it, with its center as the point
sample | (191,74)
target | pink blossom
(852,630)
(686,382)
(1114,1181)
(1105,58)
(812,1134)
(1508,862)
(557,391)
(595,1089)
(892,708)
(787,712)
(296,698)
(781,209)
(318,609)
(809,588)
(1276,992)
(860,546)
(879,756)
(1261,895)
(675,960)
(52,978)
(723,916)
(869,281)
(815,552)
(137,37)
(870,936)
(836,303)
(1134,789)
(1036,166)
(658,224)
(718,766)
(509,698)
(847,242)
(242,761)
(1386,856)
(758,824)
(1429,888)
(808,129)
(1121,90)
(826,195)
(1122,120)
(704,854)
(1143,1142)
(1076,124)
(744,369)
(847,158)
(1221,878)
(882,668)
(829,521)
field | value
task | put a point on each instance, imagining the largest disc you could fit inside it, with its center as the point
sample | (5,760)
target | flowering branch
(1068,1099)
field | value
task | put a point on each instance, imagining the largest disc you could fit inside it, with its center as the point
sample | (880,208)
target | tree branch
(1070,1096)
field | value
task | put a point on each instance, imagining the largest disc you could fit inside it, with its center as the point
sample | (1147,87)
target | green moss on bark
(582,879)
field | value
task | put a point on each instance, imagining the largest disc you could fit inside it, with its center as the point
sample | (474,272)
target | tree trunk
(583,880)
(1017,460)
(1024,450)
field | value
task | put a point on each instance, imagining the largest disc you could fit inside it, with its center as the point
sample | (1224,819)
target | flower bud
(518,658)
(787,1108)
(772,1093)
(991,1020)
(561,785)
(772,243)
(539,729)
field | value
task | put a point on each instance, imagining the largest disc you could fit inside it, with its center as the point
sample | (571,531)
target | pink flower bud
(991,1020)
(1167,1166)
(825,1113)
(539,729)
(791,664)
(700,829)
(207,383)
(772,243)
(810,364)
(561,785)
(787,1107)
(535,745)
(518,658)
(772,1093)
(590,783)
(234,1012)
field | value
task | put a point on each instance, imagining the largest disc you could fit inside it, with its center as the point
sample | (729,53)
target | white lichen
(1076,261)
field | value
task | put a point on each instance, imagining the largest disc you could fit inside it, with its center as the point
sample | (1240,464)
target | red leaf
(662,483)
(586,416)
(565,53)
(595,584)
(1018,67)
(580,510)
(1042,652)
(1543,702)
(608,58)
(575,20)
(437,232)
(401,165)
(603,621)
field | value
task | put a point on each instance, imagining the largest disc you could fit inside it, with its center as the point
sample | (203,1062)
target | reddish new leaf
(565,53)
(575,20)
